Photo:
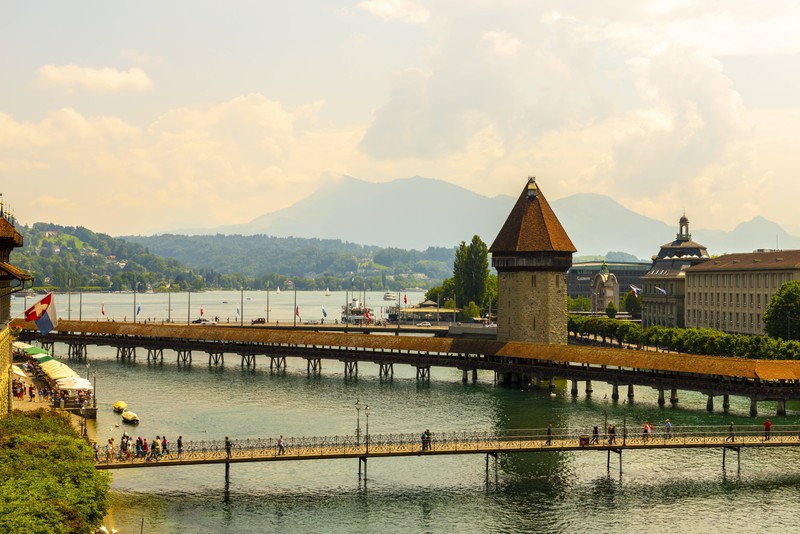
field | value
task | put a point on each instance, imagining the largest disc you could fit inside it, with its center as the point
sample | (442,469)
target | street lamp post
(189,307)
(366,412)
(358,423)
(94,390)
(241,306)
(267,301)
(69,299)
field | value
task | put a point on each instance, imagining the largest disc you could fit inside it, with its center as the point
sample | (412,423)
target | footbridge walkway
(460,442)
(522,362)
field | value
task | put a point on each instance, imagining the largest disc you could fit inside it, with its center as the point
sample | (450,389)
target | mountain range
(416,213)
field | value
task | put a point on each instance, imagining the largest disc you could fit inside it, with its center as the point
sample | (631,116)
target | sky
(141,117)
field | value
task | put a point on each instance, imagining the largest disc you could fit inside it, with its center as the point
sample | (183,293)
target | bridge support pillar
(184,356)
(351,369)
(48,346)
(574,388)
(155,355)
(423,373)
(661,401)
(673,396)
(314,365)
(726,403)
(474,375)
(216,358)
(386,370)
(277,362)
(589,387)
(710,403)
(464,376)
(551,385)
(781,407)
(249,360)
(753,407)
(615,392)
(630,391)
(77,351)
(126,353)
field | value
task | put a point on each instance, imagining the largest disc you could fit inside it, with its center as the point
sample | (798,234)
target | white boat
(327,292)
(278,291)
(130,417)
(389,296)
(357,313)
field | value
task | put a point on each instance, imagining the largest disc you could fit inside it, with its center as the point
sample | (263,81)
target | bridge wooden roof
(656,361)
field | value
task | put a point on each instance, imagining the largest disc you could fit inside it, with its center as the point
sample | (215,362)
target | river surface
(658,491)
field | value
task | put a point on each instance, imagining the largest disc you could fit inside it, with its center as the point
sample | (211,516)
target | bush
(48,482)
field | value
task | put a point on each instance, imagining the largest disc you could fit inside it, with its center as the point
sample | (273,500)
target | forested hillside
(64,257)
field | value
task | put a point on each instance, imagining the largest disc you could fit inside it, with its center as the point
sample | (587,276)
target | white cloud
(396,10)
(100,81)
(501,43)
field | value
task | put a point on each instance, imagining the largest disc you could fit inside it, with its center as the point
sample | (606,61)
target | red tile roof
(532,226)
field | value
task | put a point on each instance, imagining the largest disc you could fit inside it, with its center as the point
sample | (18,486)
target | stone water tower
(532,254)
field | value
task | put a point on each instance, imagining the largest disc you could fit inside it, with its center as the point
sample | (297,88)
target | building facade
(532,254)
(580,276)
(664,285)
(731,292)
(11,279)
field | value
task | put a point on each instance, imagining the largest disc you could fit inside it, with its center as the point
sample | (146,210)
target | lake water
(659,491)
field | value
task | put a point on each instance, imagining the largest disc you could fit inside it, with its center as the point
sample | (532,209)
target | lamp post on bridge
(358,423)
(241,306)
(366,412)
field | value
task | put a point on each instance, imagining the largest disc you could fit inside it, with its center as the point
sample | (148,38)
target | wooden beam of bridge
(492,443)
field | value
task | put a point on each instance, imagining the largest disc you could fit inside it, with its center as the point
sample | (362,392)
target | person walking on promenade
(281,445)
(595,436)
(767,429)
(164,445)
(612,434)
(180,447)
(428,437)
(228,447)
(549,434)
(731,435)
(667,429)
(424,440)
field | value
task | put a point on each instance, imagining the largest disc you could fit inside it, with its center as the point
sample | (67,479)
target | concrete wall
(532,306)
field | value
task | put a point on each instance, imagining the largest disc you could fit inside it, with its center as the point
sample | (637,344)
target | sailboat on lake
(327,292)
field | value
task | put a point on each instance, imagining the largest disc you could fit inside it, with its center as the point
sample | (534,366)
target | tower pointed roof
(532,226)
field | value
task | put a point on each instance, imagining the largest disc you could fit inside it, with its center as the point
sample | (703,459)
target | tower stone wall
(532,306)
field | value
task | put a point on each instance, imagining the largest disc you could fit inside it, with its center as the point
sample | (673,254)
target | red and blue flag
(43,313)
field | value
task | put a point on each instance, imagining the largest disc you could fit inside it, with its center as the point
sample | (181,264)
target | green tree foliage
(782,316)
(48,482)
(611,310)
(633,305)
(471,270)
(579,304)
(469,312)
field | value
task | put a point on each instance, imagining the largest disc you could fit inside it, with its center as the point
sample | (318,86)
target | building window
(751,302)
(758,300)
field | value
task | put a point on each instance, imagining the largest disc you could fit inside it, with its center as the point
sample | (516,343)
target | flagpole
(189,307)
(295,306)
(80,305)
(267,301)
(134,302)
(241,307)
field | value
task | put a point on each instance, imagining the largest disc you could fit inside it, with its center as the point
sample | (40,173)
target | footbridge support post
(248,360)
(277,362)
(216,358)
(589,387)
(753,407)
(126,353)
(661,401)
(781,407)
(738,458)
(618,452)
(313,366)
(710,403)
(630,392)
(673,397)
(423,373)
(184,356)
(386,370)
(574,388)
(615,392)
(155,355)
(726,403)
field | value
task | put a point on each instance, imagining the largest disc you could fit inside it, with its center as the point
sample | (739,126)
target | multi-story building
(664,285)
(731,292)
(581,275)
(11,279)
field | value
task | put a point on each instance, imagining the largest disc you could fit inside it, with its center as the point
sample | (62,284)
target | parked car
(424,323)
(204,321)
(259,320)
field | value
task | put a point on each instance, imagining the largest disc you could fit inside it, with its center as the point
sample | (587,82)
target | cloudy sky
(137,117)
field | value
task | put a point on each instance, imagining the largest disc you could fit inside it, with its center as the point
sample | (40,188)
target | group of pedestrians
(140,448)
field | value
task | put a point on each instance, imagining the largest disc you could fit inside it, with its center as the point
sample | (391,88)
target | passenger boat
(357,312)
(130,417)
(120,406)
(327,292)
(389,296)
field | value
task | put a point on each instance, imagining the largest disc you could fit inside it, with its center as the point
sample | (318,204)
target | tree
(782,317)
(633,304)
(611,310)
(471,271)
